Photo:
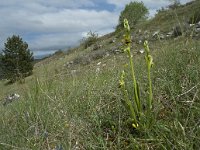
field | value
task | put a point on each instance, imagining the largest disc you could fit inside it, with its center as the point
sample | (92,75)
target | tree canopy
(16,59)
(133,12)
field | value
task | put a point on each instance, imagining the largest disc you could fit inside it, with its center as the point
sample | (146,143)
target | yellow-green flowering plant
(149,62)
(134,104)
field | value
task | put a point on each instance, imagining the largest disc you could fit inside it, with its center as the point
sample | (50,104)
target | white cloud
(148,3)
(152,5)
(66,27)
(53,24)
(48,4)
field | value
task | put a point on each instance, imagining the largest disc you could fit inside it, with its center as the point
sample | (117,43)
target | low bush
(91,39)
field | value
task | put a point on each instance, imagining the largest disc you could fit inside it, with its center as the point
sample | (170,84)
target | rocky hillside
(168,23)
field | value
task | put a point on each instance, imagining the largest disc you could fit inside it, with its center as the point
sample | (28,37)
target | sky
(49,25)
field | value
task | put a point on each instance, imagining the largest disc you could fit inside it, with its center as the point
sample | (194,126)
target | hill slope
(73,99)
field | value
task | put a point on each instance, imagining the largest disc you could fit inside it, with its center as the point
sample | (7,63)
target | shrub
(91,39)
(59,52)
(175,4)
(134,11)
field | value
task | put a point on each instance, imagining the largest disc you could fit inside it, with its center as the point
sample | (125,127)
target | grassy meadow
(81,105)
(83,109)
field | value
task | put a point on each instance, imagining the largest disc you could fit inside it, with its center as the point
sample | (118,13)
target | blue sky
(49,25)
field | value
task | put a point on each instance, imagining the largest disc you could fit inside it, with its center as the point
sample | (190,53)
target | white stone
(191,25)
(99,63)
(141,51)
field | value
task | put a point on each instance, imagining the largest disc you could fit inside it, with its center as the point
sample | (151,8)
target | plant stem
(134,83)
(149,61)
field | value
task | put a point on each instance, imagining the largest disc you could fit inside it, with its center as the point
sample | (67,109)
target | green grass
(82,106)
(85,110)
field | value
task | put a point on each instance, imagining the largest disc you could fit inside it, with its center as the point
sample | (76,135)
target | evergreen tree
(16,59)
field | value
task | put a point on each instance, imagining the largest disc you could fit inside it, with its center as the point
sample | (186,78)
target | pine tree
(16,59)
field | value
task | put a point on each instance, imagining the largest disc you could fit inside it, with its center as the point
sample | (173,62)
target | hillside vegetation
(73,100)
(166,19)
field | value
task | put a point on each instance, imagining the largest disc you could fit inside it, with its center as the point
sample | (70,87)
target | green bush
(91,39)
(134,12)
(175,4)
(59,52)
